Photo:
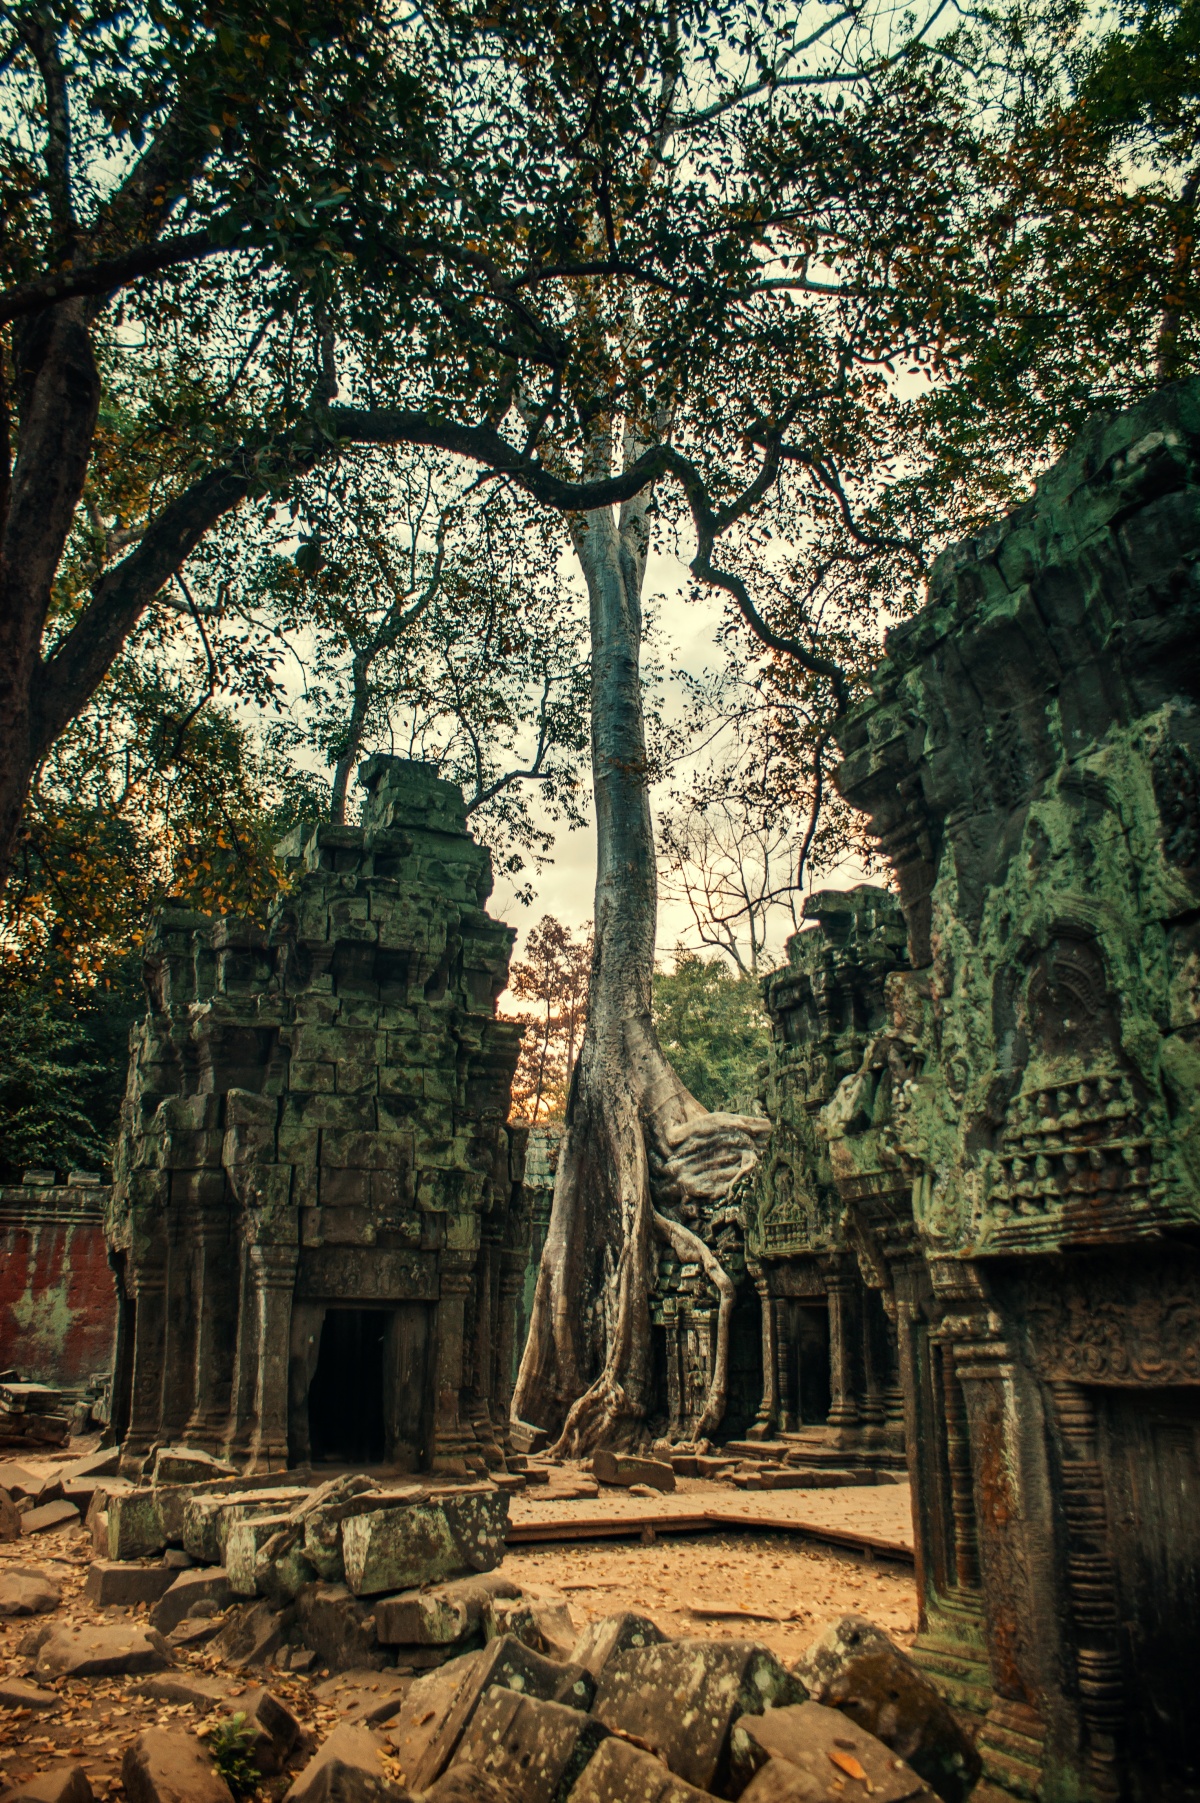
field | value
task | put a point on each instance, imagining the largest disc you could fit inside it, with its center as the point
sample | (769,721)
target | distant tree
(712,1027)
(48,1075)
(553,978)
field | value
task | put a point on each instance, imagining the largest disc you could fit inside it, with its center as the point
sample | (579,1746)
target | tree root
(689,1246)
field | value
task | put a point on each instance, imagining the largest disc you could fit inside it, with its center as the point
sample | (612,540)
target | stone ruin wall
(830,1376)
(1020,1147)
(315,1194)
(57,1303)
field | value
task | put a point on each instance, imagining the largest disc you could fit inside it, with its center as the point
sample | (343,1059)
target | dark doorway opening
(810,1330)
(345,1398)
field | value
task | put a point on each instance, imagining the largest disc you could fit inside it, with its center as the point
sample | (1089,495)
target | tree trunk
(637,1144)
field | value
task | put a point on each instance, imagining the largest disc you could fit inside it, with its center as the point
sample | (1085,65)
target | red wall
(58,1305)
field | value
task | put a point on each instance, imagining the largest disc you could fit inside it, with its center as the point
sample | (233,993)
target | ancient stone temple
(313,1225)
(1020,1146)
(831,1383)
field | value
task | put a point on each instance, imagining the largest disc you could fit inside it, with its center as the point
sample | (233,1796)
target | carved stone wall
(316,1220)
(1020,1146)
(57,1303)
(830,1378)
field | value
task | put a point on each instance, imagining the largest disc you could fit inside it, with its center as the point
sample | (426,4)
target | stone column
(843,1410)
(512,1282)
(178,1366)
(788,1406)
(958,1458)
(454,1451)
(1092,1589)
(215,1333)
(273,1270)
(148,1287)
(764,1421)
(872,1396)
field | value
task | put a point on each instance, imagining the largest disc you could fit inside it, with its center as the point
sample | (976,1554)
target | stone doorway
(346,1422)
(806,1397)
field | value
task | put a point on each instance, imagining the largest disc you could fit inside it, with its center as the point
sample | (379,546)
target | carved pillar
(512,1282)
(958,1458)
(872,1396)
(455,1452)
(273,1272)
(674,1371)
(788,1406)
(764,1421)
(215,1331)
(1091,1588)
(843,1410)
(178,1363)
(148,1286)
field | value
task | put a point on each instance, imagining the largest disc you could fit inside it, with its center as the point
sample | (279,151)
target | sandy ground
(786,1590)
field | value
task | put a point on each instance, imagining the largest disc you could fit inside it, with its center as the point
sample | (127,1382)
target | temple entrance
(804,1363)
(345,1398)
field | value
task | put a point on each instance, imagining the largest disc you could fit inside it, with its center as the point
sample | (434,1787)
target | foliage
(231,1747)
(553,977)
(48,1073)
(712,1027)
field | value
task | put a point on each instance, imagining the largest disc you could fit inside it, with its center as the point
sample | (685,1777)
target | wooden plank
(611,1527)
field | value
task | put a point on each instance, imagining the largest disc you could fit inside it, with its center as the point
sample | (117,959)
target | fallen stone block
(203,1584)
(208,1517)
(242,1545)
(184,1687)
(439,1707)
(26,1591)
(639,1694)
(88,1652)
(165,1766)
(856,1668)
(825,1749)
(18,1693)
(17,1481)
(251,1635)
(466,1784)
(441,1614)
(190,1635)
(104,1463)
(345,1767)
(274,1728)
(10,1518)
(111,1584)
(187,1465)
(67,1784)
(60,1514)
(624,1469)
(371,1698)
(545,1626)
(538,1748)
(339,1628)
(603,1640)
(400,1546)
(322,1517)
(135,1525)
(622,1773)
(281,1569)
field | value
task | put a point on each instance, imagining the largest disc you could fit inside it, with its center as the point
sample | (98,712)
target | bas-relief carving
(1029,1114)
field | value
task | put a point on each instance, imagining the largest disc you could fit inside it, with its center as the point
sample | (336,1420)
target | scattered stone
(178,1559)
(822,1749)
(26,1591)
(208,1516)
(441,1614)
(242,1545)
(17,1693)
(111,1584)
(614,1634)
(275,1729)
(187,1465)
(639,1693)
(545,1626)
(203,1584)
(538,1748)
(164,1766)
(466,1784)
(192,1634)
(10,1517)
(251,1635)
(439,1707)
(353,1749)
(856,1668)
(339,1628)
(394,1548)
(66,1784)
(184,1687)
(88,1652)
(281,1567)
(135,1525)
(623,1773)
(624,1469)
(104,1463)
(17,1481)
(365,1696)
(58,1514)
